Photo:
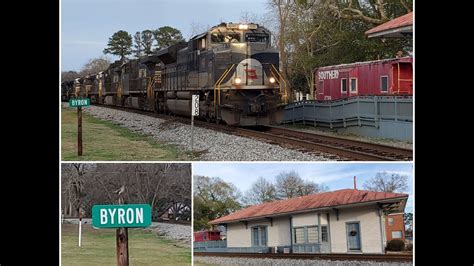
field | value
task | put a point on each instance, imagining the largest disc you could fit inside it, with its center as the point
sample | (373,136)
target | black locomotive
(232,67)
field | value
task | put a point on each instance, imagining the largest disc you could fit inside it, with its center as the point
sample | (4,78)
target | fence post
(314,115)
(343,115)
(396,108)
(376,112)
(358,112)
(304,122)
(330,116)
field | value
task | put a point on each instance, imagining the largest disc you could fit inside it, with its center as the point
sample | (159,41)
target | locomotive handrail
(150,86)
(218,88)
(284,81)
(119,90)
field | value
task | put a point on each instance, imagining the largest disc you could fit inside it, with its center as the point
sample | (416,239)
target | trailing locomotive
(232,67)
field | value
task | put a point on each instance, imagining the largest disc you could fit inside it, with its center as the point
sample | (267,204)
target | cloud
(82,43)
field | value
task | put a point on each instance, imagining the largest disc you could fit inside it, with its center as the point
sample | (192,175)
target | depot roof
(399,27)
(325,200)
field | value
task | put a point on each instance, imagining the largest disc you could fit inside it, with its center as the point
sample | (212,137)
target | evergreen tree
(119,44)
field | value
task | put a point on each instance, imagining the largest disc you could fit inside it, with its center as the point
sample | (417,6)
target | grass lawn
(104,140)
(98,248)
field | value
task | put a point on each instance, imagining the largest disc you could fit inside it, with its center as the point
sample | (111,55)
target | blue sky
(334,175)
(86,25)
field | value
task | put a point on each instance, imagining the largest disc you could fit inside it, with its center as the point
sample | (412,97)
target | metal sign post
(79,103)
(79,131)
(194,112)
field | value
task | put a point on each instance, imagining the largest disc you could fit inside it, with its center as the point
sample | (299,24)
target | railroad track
(346,148)
(333,256)
(341,148)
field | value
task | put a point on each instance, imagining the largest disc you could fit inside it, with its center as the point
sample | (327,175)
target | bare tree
(163,186)
(69,75)
(290,185)
(387,182)
(261,191)
(310,187)
(373,11)
(197,28)
(282,10)
(73,186)
(94,66)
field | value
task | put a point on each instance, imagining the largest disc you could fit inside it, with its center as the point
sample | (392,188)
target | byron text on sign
(129,215)
(79,102)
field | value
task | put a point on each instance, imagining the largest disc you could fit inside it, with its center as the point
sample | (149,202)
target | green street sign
(129,215)
(79,102)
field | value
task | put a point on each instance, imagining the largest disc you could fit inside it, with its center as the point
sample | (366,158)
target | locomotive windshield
(256,37)
(219,37)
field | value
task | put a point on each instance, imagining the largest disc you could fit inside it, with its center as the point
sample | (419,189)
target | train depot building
(341,221)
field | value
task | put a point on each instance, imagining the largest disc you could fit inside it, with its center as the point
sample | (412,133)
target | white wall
(371,238)
(278,234)
(307,219)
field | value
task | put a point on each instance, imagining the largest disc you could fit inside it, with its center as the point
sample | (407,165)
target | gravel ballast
(176,232)
(210,145)
(291,262)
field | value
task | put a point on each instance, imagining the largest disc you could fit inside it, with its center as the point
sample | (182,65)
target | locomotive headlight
(243,27)
(272,80)
(237,80)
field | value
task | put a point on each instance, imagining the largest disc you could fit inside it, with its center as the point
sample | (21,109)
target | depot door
(353,236)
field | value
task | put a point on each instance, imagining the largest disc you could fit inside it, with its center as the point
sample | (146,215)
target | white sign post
(194,112)
(80,231)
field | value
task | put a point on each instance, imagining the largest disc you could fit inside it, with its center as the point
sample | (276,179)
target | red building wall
(206,236)
(367,78)
(398,225)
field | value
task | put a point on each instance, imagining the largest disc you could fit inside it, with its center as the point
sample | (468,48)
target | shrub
(395,245)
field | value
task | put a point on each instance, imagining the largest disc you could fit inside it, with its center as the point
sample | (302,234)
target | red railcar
(207,235)
(380,77)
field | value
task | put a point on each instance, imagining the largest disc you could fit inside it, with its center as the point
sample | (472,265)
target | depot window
(299,235)
(312,233)
(259,236)
(384,83)
(324,233)
(396,234)
(390,221)
(353,84)
(306,234)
